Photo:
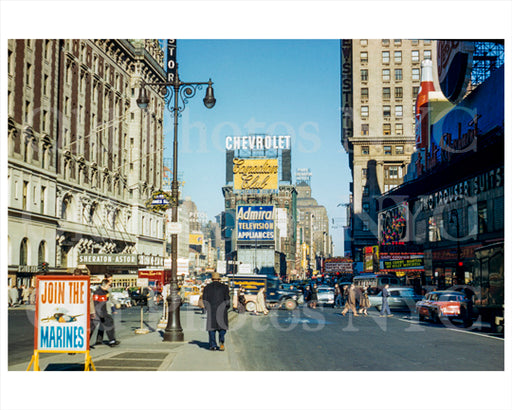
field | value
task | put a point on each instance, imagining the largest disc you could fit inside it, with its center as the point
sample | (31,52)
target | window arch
(67,207)
(41,252)
(24,252)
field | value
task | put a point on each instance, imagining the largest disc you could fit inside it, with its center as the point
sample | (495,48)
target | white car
(325,295)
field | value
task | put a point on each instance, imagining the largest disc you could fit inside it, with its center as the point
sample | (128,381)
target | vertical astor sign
(62,314)
(172,67)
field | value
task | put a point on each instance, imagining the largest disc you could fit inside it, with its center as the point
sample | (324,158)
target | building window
(427,42)
(365,129)
(399,92)
(385,42)
(391,172)
(43,199)
(415,56)
(24,252)
(399,149)
(398,74)
(25,195)
(28,109)
(415,42)
(365,191)
(482,217)
(364,75)
(386,76)
(41,252)
(399,130)
(364,57)
(416,74)
(434,229)
(366,207)
(415,91)
(364,43)
(398,42)
(398,57)
(386,93)
(385,57)
(364,111)
(427,54)
(28,74)
(386,110)
(398,110)
(364,93)
(386,129)
(387,149)
(364,172)
(365,149)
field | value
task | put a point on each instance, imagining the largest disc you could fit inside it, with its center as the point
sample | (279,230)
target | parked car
(443,305)
(325,295)
(400,298)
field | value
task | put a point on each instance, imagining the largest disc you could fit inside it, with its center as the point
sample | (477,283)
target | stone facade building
(82,157)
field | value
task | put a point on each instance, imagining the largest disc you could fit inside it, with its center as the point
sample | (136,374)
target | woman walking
(260,302)
(364,301)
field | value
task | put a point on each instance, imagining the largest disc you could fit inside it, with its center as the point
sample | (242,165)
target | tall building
(312,226)
(83,159)
(380,80)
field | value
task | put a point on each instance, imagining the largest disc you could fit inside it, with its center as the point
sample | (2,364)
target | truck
(276,296)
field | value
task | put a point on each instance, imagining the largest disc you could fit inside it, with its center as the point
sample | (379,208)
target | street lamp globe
(143,99)
(209,99)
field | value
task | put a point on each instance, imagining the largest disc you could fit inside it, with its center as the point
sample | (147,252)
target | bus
(489,284)
(375,281)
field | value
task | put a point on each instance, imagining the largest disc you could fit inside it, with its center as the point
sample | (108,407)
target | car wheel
(250,306)
(421,318)
(290,304)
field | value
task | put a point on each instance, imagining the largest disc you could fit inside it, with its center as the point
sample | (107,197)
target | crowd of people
(22,295)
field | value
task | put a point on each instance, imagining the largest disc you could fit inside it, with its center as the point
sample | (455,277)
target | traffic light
(43,266)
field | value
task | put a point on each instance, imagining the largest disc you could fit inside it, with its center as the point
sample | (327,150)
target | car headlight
(294,297)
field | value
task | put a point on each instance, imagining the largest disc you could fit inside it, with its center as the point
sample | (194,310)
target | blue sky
(278,87)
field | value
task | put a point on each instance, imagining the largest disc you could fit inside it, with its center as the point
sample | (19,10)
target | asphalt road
(319,340)
(322,340)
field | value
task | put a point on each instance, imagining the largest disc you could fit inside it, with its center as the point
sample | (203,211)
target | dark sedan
(402,298)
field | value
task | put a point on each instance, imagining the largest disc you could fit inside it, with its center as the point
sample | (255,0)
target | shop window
(482,217)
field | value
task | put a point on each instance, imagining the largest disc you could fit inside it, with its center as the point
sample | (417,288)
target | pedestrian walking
(241,300)
(350,304)
(261,304)
(337,296)
(216,302)
(307,295)
(385,306)
(25,294)
(344,295)
(364,301)
(103,319)
(20,294)
(13,296)
(314,296)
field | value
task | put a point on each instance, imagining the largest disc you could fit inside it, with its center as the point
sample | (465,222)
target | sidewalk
(148,352)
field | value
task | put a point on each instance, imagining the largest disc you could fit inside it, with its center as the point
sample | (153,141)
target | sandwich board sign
(62,317)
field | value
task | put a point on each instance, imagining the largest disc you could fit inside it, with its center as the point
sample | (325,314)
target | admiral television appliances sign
(255,223)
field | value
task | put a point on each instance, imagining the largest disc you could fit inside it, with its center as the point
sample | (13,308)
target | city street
(319,340)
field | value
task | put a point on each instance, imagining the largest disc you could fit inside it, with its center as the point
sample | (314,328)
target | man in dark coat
(216,302)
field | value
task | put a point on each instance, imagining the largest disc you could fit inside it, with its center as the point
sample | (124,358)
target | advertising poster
(255,223)
(62,314)
(255,174)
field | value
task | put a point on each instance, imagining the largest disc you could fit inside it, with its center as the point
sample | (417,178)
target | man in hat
(216,302)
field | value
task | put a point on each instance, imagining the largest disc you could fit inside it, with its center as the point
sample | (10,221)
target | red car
(444,305)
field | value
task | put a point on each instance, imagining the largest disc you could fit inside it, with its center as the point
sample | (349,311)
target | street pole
(182,91)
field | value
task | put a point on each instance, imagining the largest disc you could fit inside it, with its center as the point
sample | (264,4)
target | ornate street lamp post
(175,92)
